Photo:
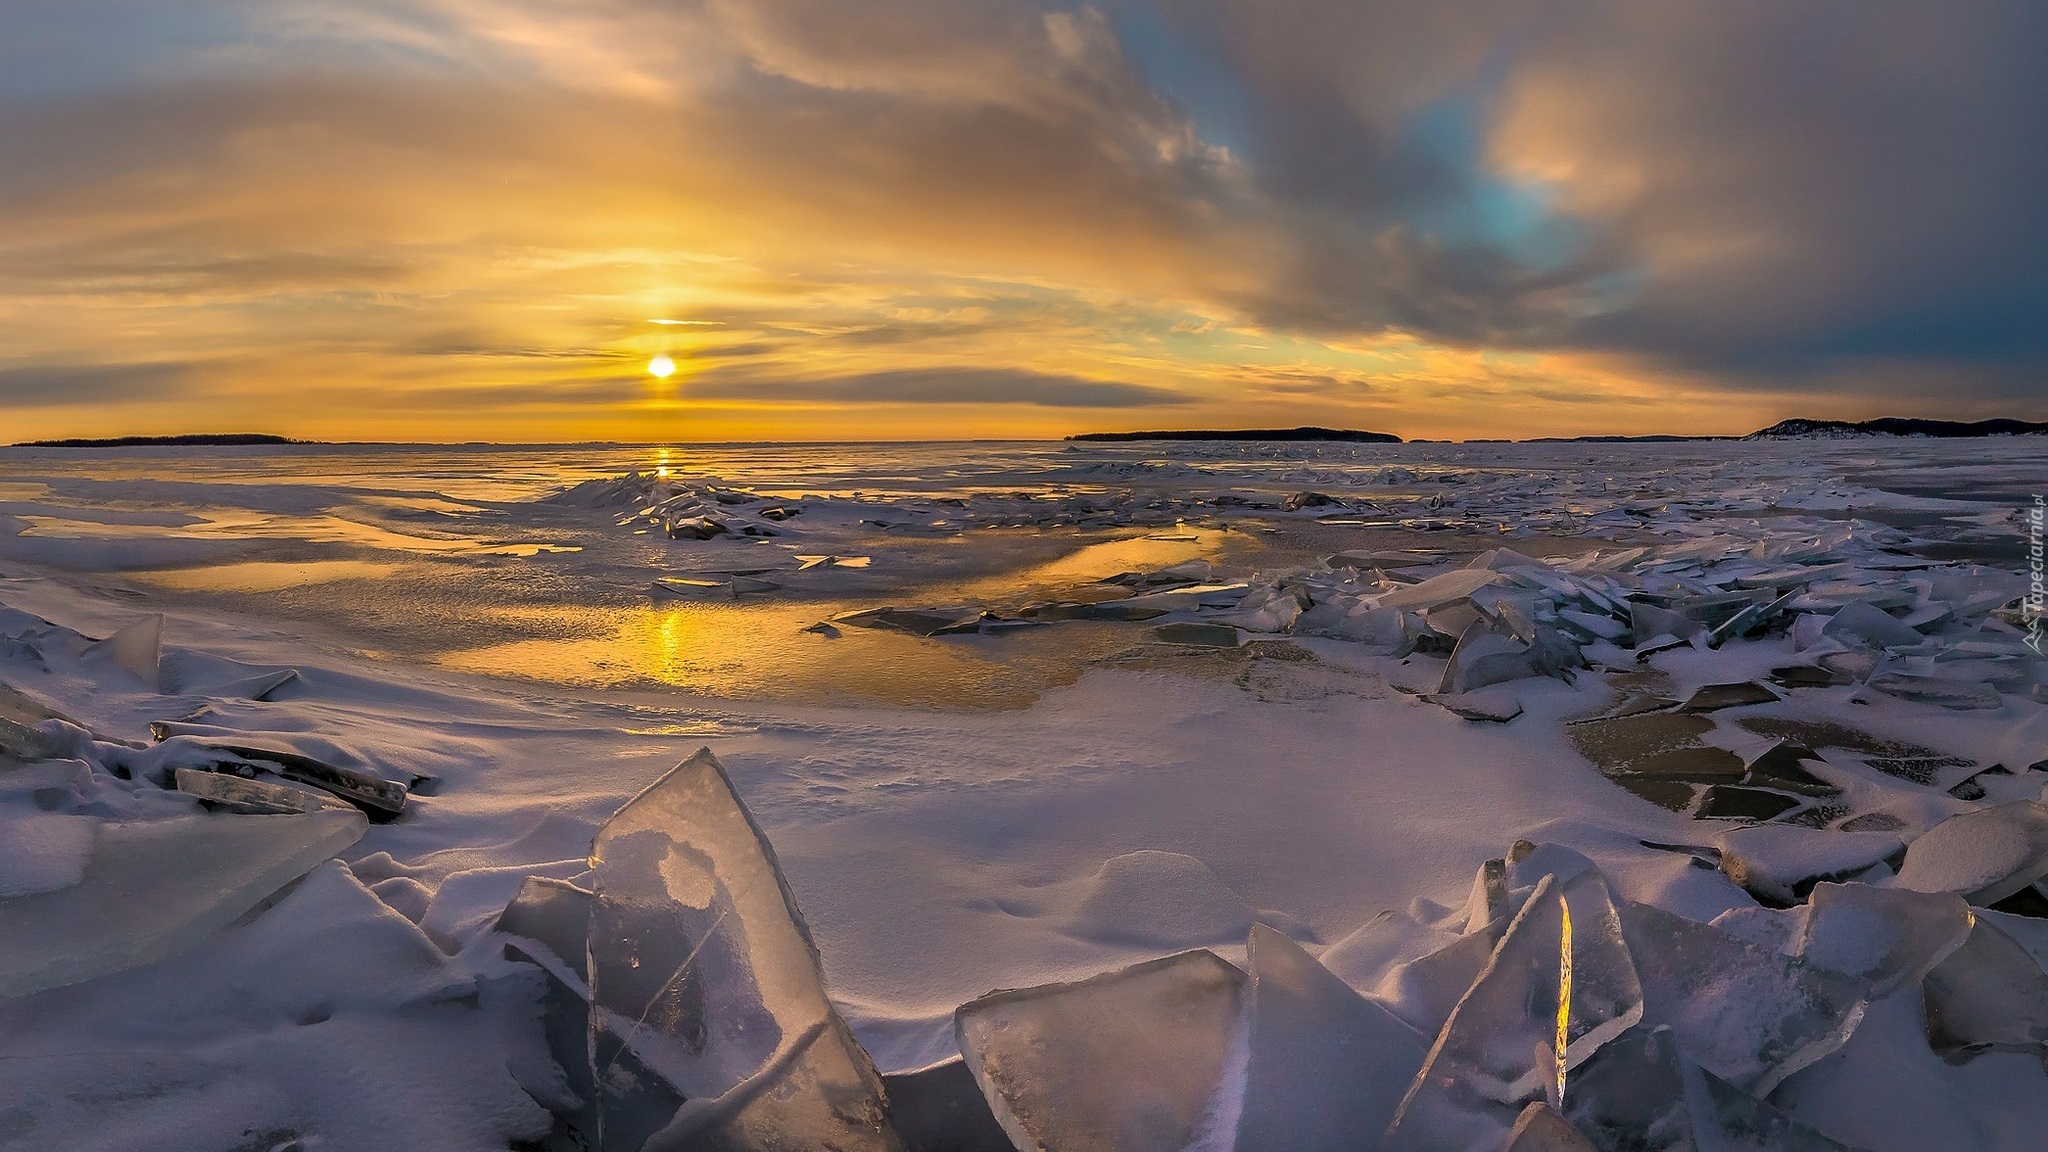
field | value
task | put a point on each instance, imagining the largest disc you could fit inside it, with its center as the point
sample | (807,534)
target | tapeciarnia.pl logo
(2037,594)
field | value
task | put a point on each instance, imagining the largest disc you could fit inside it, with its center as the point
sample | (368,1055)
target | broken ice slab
(1425,990)
(26,710)
(1642,1094)
(154,887)
(1560,985)
(1540,1129)
(1742,802)
(1988,993)
(21,732)
(1485,656)
(548,924)
(1783,766)
(1648,623)
(1129,1061)
(1744,1013)
(225,793)
(915,621)
(1985,855)
(205,674)
(1495,706)
(1887,936)
(137,649)
(1199,634)
(23,742)
(1656,755)
(1807,676)
(1440,590)
(1748,620)
(372,793)
(702,970)
(1780,863)
(1713,697)
(552,918)
(1940,691)
(940,1109)
(1861,621)
(1326,1066)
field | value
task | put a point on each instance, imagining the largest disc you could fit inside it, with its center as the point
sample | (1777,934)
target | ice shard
(154,887)
(1130,1061)
(1744,1013)
(1560,985)
(307,760)
(1641,1094)
(1424,990)
(1862,621)
(225,793)
(1888,936)
(1985,855)
(702,971)
(1989,993)
(1326,1066)
(548,924)
(1485,656)
(138,649)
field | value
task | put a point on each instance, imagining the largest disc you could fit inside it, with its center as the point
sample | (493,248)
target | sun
(662,367)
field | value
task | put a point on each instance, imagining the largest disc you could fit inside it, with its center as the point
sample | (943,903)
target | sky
(450,220)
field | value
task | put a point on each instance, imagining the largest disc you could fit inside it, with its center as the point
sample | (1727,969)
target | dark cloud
(1776,194)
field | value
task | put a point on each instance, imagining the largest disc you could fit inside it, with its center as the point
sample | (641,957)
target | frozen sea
(976,770)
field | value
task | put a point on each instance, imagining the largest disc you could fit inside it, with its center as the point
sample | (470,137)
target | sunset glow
(470,219)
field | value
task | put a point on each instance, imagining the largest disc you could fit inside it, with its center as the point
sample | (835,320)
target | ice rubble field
(1304,796)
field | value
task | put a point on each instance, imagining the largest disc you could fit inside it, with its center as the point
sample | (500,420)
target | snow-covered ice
(1028,717)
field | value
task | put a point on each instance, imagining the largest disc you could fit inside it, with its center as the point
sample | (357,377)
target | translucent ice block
(701,968)
(1130,1061)
(154,887)
(1744,1013)
(1327,1066)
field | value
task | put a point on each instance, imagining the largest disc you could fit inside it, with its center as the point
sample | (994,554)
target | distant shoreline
(1351,436)
(1795,429)
(200,439)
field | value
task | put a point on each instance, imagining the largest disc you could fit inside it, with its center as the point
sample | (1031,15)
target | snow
(1045,795)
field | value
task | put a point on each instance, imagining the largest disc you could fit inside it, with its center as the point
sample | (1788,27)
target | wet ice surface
(1016,716)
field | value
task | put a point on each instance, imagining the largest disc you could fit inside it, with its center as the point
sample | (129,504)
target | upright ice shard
(548,924)
(1560,985)
(154,887)
(1641,1094)
(1985,855)
(1744,1013)
(1990,993)
(1861,621)
(1130,1061)
(138,648)
(701,970)
(1327,1066)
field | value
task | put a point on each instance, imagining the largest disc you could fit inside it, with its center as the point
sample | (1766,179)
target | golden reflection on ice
(761,651)
(1564,995)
